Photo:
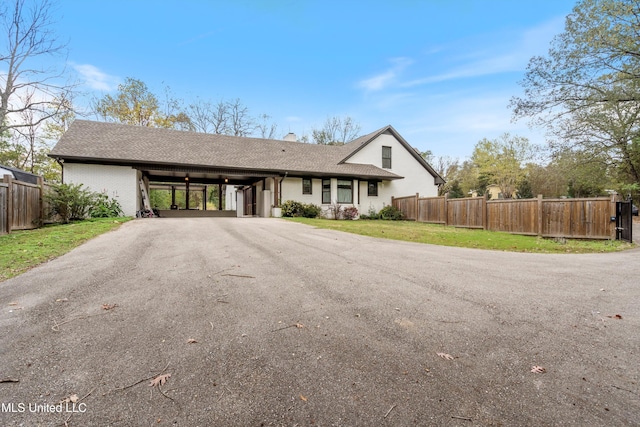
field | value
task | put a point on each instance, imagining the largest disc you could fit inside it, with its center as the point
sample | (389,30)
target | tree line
(583,93)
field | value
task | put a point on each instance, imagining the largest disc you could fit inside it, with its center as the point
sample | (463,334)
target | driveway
(268,322)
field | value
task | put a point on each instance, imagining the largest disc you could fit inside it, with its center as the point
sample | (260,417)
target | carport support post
(187,198)
(219,196)
(173,195)
(204,198)
(276,194)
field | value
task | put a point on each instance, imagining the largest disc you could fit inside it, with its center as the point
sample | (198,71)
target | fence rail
(588,218)
(21,205)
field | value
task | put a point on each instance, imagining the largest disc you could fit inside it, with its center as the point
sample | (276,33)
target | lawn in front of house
(436,234)
(24,249)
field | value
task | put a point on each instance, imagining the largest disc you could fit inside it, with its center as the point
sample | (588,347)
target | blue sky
(440,71)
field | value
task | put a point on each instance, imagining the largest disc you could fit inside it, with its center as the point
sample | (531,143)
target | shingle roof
(20,175)
(125,144)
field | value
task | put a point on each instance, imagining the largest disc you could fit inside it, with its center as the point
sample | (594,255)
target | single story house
(124,160)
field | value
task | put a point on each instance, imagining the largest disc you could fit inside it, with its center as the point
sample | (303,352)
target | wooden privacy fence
(588,218)
(21,206)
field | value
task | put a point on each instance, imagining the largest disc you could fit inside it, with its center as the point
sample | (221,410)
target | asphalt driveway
(268,322)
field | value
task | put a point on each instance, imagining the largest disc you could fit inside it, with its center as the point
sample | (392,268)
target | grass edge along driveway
(24,249)
(435,234)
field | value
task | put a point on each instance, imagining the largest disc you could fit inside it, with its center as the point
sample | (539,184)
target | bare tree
(27,25)
(200,113)
(336,131)
(267,129)
(207,117)
(29,134)
(240,122)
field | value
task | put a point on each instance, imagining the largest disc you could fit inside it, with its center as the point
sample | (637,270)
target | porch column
(219,197)
(187,192)
(204,198)
(173,195)
(276,194)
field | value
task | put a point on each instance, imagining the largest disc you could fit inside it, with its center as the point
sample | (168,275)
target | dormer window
(386,157)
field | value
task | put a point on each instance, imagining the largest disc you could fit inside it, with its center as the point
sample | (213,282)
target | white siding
(416,178)
(119,182)
(292,190)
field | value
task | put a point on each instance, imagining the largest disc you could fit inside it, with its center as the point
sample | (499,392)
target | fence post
(417,207)
(485,215)
(8,180)
(446,208)
(539,215)
(41,200)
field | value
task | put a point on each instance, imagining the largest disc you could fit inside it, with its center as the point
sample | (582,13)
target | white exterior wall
(119,182)
(230,198)
(292,190)
(416,178)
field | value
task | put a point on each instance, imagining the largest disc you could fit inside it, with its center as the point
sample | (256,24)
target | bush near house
(105,207)
(350,212)
(292,208)
(72,202)
(391,213)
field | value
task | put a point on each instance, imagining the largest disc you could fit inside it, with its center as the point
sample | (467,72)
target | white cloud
(95,78)
(503,57)
(383,80)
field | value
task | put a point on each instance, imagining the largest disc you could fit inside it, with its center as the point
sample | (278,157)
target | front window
(306,186)
(386,157)
(326,191)
(345,191)
(372,188)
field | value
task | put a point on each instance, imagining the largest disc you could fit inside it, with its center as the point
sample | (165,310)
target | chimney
(291,137)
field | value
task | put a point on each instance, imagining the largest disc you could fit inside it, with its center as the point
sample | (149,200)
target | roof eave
(257,171)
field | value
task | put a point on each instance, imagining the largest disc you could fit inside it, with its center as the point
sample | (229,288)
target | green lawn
(22,250)
(434,234)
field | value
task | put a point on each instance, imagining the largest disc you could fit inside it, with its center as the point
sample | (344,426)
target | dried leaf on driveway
(616,316)
(109,306)
(299,325)
(538,370)
(304,399)
(192,341)
(446,356)
(71,399)
(159,380)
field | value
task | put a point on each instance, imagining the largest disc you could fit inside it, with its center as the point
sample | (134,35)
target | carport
(239,191)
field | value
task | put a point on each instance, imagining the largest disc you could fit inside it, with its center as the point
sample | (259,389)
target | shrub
(105,207)
(311,211)
(371,214)
(350,212)
(69,201)
(334,211)
(291,208)
(390,212)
